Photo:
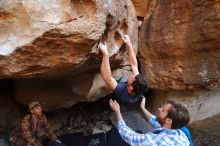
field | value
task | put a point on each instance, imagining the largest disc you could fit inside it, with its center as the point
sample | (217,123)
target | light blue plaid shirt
(159,137)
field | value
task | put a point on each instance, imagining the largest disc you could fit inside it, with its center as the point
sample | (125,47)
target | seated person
(26,132)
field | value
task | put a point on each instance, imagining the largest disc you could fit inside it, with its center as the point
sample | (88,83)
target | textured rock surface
(180,45)
(206,132)
(55,94)
(57,37)
(141,7)
(50,47)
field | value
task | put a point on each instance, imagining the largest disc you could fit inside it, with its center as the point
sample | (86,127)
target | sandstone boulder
(54,38)
(179,45)
(50,47)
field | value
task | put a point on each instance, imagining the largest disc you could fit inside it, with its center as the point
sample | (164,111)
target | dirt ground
(206,132)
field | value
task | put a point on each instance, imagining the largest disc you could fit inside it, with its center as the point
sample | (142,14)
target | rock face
(141,7)
(50,38)
(199,130)
(179,45)
(50,47)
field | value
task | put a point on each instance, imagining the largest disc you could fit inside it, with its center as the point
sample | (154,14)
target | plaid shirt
(159,137)
(26,133)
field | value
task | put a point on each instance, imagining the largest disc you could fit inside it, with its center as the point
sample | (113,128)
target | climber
(130,90)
